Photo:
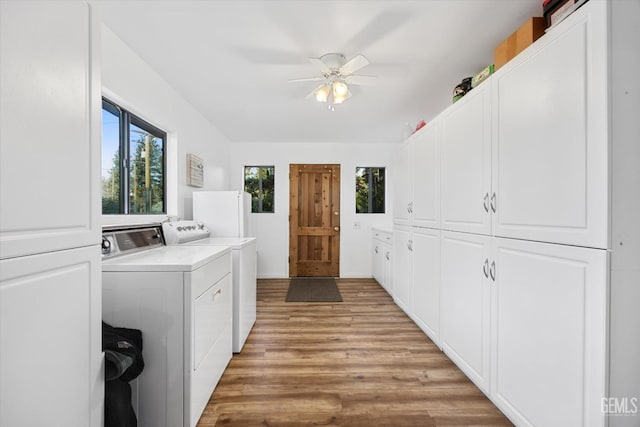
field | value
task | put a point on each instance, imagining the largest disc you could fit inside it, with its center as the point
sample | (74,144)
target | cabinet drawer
(383,236)
(209,274)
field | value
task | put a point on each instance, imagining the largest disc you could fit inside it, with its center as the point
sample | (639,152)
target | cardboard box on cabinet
(528,32)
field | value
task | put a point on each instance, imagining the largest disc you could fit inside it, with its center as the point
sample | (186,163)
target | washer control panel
(126,240)
(177,232)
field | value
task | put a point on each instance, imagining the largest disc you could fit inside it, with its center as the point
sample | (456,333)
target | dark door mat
(313,289)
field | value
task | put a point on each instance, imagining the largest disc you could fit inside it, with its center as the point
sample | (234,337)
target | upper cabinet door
(550,136)
(50,133)
(425,167)
(466,163)
(401,186)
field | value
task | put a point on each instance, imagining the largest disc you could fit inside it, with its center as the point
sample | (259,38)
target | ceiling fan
(337,75)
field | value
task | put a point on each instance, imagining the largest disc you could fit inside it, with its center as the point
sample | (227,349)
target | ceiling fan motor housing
(334,60)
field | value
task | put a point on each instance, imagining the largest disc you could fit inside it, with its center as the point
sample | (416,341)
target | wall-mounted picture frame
(195,171)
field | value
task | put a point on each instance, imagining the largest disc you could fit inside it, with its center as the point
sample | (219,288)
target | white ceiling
(231,59)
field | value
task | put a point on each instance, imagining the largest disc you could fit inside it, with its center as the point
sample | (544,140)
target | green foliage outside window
(133,166)
(259,181)
(370,185)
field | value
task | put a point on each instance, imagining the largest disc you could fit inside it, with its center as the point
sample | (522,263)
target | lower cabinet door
(377,262)
(465,298)
(402,286)
(388,269)
(51,340)
(548,333)
(426,281)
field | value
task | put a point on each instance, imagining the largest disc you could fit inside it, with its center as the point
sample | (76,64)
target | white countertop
(166,258)
(234,242)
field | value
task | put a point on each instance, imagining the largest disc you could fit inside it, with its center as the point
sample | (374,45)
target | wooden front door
(314,220)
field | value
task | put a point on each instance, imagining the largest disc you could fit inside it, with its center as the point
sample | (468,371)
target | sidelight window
(370,186)
(259,181)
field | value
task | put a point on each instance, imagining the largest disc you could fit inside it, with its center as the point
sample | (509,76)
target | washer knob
(106,245)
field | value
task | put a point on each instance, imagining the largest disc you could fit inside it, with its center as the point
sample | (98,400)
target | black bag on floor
(123,363)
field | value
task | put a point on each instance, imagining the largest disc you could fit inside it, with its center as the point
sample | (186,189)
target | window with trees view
(133,163)
(259,182)
(369,190)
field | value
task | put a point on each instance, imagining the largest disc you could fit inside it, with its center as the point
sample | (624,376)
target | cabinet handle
(376,249)
(493,202)
(485,202)
(387,255)
(492,271)
(485,268)
(410,245)
(408,207)
(216,293)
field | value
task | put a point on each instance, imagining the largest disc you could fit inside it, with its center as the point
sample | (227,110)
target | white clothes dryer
(192,233)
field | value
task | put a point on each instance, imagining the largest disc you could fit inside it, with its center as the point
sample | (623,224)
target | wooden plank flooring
(361,362)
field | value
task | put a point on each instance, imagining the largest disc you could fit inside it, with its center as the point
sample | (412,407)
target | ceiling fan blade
(308,79)
(320,64)
(353,65)
(361,79)
(382,25)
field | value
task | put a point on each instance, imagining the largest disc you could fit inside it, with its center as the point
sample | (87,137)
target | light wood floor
(361,362)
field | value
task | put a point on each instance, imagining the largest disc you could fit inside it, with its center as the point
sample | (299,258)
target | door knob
(336,228)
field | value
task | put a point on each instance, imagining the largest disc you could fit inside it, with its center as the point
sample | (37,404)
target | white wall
(132,83)
(272,230)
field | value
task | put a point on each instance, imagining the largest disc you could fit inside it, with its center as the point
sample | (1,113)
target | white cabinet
(548,332)
(539,253)
(526,321)
(402,266)
(416,271)
(417,179)
(466,163)
(402,186)
(465,304)
(549,153)
(51,360)
(51,344)
(425,276)
(49,151)
(424,182)
(382,257)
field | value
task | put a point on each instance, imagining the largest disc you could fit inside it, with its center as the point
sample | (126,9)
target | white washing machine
(180,297)
(192,233)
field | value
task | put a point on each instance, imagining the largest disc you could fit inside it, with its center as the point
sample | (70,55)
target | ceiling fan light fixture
(339,99)
(340,89)
(322,93)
